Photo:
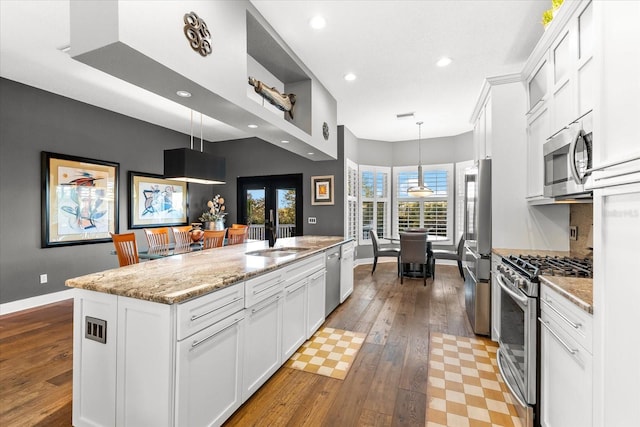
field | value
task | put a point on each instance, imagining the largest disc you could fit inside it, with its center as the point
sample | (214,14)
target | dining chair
(239,226)
(182,238)
(451,255)
(382,252)
(157,238)
(213,238)
(237,235)
(413,250)
(126,248)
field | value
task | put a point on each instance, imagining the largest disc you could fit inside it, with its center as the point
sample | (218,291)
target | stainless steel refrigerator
(477,254)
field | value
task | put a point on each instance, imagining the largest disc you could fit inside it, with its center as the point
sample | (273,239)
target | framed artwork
(79,200)
(322,190)
(155,201)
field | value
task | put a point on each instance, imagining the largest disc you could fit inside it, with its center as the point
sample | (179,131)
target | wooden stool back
(237,235)
(213,238)
(126,248)
(157,238)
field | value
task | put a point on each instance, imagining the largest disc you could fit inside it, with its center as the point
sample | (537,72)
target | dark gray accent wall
(254,157)
(32,120)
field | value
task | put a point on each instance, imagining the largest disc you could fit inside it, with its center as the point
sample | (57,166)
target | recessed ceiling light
(443,62)
(183,94)
(317,22)
(252,126)
(311,154)
(284,141)
(350,77)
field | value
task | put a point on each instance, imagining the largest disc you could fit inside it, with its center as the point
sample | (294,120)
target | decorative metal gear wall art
(196,31)
(325,131)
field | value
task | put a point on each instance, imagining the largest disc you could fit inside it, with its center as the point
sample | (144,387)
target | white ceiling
(392,47)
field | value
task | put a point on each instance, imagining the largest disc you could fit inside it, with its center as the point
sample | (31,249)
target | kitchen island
(185,340)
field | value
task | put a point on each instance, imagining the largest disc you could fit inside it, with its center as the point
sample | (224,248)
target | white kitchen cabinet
(537,132)
(316,299)
(209,374)
(294,324)
(346,270)
(482,131)
(495,298)
(566,367)
(263,343)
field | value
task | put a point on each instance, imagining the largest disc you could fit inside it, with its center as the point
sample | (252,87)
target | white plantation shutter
(375,201)
(351,225)
(433,212)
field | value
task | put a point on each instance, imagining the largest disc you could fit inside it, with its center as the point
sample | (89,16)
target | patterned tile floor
(464,387)
(329,352)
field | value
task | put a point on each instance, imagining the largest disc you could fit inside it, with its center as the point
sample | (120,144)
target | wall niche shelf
(268,62)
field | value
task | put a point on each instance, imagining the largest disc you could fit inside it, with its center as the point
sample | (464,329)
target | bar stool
(126,248)
(157,238)
(237,235)
(213,238)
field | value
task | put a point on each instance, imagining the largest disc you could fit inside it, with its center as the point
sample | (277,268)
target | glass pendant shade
(421,190)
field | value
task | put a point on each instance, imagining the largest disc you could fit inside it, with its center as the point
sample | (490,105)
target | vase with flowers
(213,217)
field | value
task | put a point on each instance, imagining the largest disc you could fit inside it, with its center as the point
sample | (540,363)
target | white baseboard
(24,304)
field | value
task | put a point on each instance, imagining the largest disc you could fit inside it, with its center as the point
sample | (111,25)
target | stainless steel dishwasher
(332,295)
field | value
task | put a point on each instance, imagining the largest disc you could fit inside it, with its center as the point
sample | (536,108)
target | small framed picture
(322,190)
(79,200)
(155,201)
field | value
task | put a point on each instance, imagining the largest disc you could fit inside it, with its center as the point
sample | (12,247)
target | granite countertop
(578,290)
(177,278)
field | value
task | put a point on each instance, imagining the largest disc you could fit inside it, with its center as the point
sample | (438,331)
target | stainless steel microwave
(568,154)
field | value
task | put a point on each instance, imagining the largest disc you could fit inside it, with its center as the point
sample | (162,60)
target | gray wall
(32,120)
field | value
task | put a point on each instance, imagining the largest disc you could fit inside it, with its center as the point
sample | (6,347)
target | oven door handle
(503,372)
(518,297)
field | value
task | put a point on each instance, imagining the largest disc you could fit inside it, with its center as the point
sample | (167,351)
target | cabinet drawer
(577,323)
(262,287)
(304,268)
(197,314)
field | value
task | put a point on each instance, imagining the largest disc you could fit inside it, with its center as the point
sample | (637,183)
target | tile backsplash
(581,216)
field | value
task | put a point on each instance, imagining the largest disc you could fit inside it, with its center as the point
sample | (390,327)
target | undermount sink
(276,252)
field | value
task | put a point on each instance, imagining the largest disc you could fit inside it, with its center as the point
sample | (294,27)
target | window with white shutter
(434,212)
(351,216)
(375,201)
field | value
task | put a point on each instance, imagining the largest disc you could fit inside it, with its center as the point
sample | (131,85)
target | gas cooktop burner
(555,266)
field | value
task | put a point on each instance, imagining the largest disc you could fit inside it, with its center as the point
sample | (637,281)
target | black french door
(258,195)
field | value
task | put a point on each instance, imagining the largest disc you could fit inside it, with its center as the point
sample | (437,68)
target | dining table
(415,272)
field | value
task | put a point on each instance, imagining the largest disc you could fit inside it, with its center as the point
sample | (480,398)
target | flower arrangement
(216,210)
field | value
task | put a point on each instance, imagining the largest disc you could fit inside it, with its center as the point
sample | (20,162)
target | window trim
(350,200)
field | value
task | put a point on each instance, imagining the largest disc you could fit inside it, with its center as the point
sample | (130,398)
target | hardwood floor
(36,362)
(386,386)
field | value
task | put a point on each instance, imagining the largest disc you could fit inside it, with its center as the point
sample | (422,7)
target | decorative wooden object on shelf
(282,101)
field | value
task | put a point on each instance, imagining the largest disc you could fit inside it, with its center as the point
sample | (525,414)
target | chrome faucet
(271,228)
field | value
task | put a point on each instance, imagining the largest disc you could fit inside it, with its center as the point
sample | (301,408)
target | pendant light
(189,165)
(421,190)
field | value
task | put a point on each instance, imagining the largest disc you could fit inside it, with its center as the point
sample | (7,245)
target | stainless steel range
(518,359)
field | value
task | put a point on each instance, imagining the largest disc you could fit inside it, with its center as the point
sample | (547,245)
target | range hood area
(117,38)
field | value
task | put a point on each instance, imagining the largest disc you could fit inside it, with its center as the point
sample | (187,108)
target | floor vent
(96,329)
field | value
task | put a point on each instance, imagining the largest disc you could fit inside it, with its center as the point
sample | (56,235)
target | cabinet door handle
(279,282)
(197,316)
(575,325)
(611,164)
(290,291)
(560,340)
(256,310)
(198,342)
